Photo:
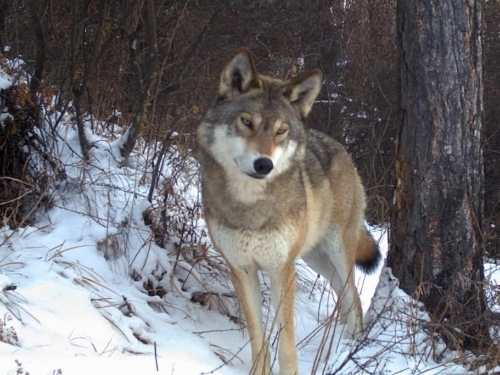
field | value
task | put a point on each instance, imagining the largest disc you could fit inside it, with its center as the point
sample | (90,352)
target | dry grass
(8,333)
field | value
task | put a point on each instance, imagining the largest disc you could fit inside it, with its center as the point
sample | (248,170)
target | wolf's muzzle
(263,166)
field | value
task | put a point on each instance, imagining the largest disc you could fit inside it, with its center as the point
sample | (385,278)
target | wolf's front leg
(283,284)
(247,286)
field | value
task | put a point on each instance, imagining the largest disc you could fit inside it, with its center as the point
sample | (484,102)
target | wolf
(274,190)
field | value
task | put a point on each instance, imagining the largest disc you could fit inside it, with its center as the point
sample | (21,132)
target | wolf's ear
(303,90)
(239,75)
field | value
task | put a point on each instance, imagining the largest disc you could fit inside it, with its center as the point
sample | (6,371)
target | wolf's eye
(281,131)
(246,122)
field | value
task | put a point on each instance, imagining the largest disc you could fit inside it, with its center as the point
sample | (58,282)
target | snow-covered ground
(77,289)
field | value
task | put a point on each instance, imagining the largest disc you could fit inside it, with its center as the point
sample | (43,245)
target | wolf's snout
(263,166)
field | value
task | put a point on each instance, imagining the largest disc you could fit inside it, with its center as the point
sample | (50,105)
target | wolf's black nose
(263,165)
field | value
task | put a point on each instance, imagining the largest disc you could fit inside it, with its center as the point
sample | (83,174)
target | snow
(70,311)
(492,274)
(4,83)
(73,296)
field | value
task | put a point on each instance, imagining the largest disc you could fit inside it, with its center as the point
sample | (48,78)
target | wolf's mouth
(250,174)
(257,176)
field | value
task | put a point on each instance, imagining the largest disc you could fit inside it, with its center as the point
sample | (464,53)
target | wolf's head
(256,126)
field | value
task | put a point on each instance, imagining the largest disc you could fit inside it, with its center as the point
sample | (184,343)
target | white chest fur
(265,249)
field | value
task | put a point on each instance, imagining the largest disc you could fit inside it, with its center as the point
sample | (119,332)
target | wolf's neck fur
(246,190)
(239,201)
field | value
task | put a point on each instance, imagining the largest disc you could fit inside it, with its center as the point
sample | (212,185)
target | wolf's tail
(368,255)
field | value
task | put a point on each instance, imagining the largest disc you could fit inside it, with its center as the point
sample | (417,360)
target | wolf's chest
(266,249)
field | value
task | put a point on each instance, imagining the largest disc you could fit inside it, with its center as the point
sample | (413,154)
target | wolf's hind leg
(331,260)
(247,286)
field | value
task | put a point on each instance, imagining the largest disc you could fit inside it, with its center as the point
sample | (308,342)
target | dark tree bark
(4,7)
(36,11)
(436,222)
(145,79)
(78,15)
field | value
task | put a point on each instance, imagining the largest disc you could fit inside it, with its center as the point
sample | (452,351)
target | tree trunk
(147,84)
(38,31)
(436,222)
